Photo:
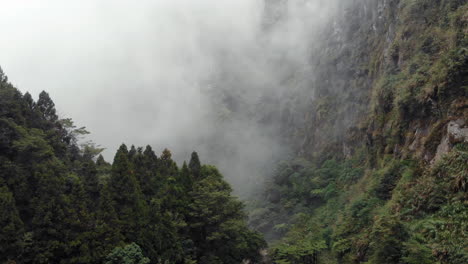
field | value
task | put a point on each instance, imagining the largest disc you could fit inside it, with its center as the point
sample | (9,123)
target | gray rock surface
(457,131)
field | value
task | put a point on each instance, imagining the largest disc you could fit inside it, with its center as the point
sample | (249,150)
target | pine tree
(90,181)
(11,230)
(3,77)
(78,222)
(168,166)
(142,172)
(186,178)
(150,179)
(195,165)
(49,205)
(217,222)
(126,194)
(107,233)
(100,161)
(47,107)
(29,101)
(132,153)
(130,254)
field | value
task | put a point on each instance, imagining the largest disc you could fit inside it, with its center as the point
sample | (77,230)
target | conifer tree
(49,205)
(132,153)
(142,173)
(29,101)
(107,233)
(217,222)
(3,77)
(47,107)
(167,164)
(90,182)
(78,222)
(150,180)
(100,161)
(126,195)
(195,165)
(186,178)
(11,230)
(151,160)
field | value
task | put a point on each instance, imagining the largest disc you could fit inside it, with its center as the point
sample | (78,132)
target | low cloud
(187,75)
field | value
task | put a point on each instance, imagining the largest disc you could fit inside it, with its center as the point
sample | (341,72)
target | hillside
(381,165)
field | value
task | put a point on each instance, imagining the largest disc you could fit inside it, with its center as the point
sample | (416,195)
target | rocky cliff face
(326,78)
(385,73)
(378,123)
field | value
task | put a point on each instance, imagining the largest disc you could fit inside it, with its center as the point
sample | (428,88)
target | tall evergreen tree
(195,165)
(186,178)
(150,179)
(29,101)
(107,232)
(49,205)
(78,222)
(47,107)
(3,77)
(126,195)
(12,229)
(132,153)
(90,181)
(101,161)
(168,166)
(217,222)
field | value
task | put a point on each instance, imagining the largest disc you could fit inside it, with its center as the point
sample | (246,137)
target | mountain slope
(380,170)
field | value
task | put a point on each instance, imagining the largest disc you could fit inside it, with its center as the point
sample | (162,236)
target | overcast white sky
(130,71)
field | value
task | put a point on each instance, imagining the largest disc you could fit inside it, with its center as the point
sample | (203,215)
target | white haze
(155,72)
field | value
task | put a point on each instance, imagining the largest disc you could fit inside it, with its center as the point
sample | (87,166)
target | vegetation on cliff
(391,187)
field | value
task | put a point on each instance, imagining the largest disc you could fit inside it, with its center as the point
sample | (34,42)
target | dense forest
(61,202)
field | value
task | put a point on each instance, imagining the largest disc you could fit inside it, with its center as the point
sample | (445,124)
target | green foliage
(417,252)
(126,196)
(301,244)
(130,254)
(389,177)
(387,237)
(218,223)
(397,212)
(194,165)
(12,226)
(46,107)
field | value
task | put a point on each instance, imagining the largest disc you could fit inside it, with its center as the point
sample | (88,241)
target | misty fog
(179,74)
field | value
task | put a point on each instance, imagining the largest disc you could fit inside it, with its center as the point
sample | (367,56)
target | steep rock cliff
(378,129)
